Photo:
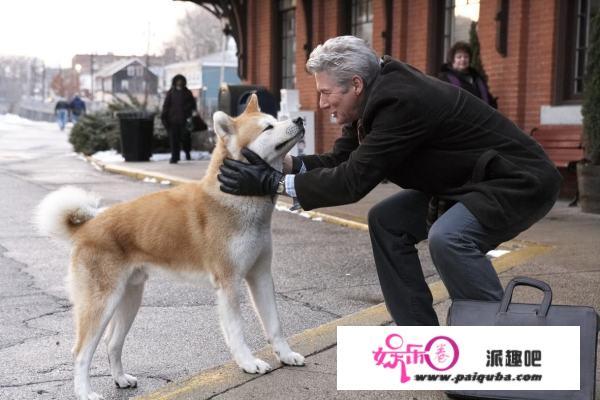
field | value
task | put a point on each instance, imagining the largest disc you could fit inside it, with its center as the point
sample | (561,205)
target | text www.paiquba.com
(475,377)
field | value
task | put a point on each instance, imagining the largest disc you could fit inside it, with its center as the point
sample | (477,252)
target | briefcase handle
(525,281)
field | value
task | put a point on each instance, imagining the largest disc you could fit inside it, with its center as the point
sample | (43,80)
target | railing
(37,110)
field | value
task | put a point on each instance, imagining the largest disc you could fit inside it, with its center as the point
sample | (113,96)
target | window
(458,15)
(287,14)
(450,22)
(574,30)
(124,85)
(130,70)
(361,20)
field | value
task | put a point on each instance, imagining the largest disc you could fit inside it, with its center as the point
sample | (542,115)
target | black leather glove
(255,179)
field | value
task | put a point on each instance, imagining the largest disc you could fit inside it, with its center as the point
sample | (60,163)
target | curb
(138,174)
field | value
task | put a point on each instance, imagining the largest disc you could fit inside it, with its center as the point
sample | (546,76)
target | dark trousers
(457,243)
(179,135)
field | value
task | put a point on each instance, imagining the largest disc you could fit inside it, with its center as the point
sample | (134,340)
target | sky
(56,30)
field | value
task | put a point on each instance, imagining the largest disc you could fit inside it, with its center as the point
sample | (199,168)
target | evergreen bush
(96,132)
(591,94)
(476,62)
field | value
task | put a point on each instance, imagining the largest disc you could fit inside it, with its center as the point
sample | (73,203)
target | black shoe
(173,161)
(188,156)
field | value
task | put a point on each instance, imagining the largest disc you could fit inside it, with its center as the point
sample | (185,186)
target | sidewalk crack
(310,306)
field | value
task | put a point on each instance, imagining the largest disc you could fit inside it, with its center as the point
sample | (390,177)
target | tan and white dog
(193,229)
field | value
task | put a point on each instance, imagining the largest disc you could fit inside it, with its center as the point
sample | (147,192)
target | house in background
(87,66)
(123,77)
(533,52)
(203,77)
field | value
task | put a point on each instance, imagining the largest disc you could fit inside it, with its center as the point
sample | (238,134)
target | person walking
(77,108)
(61,111)
(179,105)
(431,139)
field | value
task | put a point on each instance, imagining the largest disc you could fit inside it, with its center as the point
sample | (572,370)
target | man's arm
(343,146)
(396,131)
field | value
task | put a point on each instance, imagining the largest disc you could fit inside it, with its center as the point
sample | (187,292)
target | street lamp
(78,68)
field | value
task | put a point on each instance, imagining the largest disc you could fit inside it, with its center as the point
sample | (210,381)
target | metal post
(92,75)
(43,81)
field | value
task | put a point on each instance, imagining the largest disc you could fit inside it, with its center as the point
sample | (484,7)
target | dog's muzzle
(296,131)
(296,128)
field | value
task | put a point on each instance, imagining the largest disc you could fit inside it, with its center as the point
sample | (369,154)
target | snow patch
(111,156)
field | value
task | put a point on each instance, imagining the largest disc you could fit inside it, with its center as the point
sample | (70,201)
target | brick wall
(541,56)
(523,80)
(417,33)
(260,43)
(378,26)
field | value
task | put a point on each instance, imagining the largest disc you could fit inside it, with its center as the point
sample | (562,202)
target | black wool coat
(424,134)
(178,106)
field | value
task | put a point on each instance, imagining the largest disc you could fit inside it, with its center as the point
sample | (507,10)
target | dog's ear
(223,124)
(252,106)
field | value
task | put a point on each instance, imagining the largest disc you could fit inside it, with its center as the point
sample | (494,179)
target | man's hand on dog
(255,179)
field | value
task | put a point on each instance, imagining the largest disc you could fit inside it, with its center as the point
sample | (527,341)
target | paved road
(321,272)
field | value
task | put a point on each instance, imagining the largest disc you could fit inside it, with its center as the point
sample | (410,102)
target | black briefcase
(506,313)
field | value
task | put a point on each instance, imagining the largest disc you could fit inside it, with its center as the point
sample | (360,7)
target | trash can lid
(135,115)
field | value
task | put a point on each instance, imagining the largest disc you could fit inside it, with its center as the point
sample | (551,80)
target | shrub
(95,132)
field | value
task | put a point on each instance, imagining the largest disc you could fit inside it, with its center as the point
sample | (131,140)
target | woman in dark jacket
(179,105)
(458,72)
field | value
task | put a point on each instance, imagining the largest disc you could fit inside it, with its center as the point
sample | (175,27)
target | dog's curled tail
(63,211)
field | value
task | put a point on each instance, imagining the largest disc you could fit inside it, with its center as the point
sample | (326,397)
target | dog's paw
(256,366)
(126,381)
(292,358)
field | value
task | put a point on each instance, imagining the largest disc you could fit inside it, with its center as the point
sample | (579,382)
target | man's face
(342,103)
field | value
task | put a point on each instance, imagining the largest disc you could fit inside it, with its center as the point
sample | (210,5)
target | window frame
(567,41)
(442,29)
(354,24)
(287,10)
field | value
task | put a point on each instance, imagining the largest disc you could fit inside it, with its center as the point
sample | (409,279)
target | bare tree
(199,33)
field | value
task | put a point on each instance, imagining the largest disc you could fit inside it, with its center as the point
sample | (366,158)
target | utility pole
(226,33)
(43,81)
(146,71)
(92,75)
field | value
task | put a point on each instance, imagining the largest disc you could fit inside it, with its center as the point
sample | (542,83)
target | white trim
(561,115)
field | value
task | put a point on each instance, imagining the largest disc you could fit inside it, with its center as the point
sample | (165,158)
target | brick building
(533,51)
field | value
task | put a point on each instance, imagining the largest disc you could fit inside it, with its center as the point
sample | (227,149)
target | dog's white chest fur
(254,235)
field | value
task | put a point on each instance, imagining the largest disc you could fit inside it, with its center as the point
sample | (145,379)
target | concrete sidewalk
(563,250)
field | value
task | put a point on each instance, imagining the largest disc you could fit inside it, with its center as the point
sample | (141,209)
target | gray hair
(343,57)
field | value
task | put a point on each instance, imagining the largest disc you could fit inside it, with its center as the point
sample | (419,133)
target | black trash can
(137,129)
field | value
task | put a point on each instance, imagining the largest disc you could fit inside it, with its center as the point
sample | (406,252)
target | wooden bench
(563,144)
